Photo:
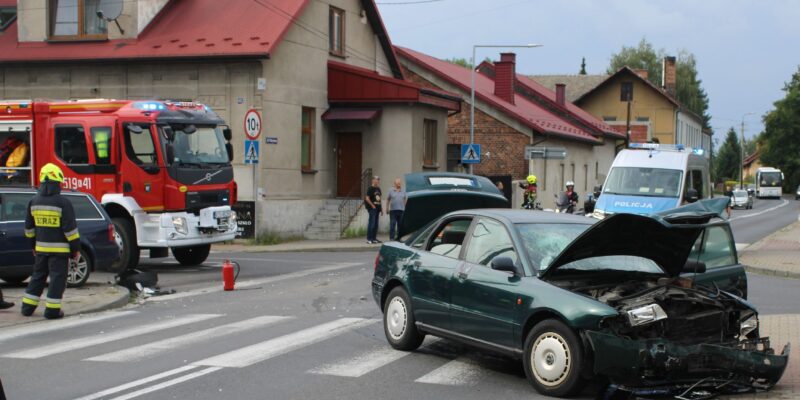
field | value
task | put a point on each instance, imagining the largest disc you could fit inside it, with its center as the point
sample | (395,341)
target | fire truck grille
(195,201)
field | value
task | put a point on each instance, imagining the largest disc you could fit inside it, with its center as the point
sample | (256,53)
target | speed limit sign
(252,124)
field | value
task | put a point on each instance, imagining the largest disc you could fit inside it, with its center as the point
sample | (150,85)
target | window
(7,16)
(449,237)
(84,208)
(626,91)
(642,119)
(696,182)
(76,19)
(609,118)
(488,241)
(14,206)
(139,146)
(585,177)
(71,144)
(717,248)
(336,32)
(101,139)
(307,139)
(429,139)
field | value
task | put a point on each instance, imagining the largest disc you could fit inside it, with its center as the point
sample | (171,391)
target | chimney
(505,74)
(643,73)
(668,75)
(561,93)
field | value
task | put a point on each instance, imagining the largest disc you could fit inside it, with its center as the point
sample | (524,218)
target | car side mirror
(227,133)
(135,129)
(169,133)
(189,129)
(229,149)
(694,267)
(505,264)
(691,196)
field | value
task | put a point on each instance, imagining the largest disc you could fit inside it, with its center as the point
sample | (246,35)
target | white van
(651,177)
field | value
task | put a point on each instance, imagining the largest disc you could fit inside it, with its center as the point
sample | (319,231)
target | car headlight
(748,325)
(646,314)
(180,225)
(599,214)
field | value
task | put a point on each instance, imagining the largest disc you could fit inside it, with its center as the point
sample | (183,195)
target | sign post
(252,129)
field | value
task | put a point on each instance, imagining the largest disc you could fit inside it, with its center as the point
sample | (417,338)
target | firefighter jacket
(50,222)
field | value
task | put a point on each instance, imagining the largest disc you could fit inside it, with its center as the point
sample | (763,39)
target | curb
(122,300)
(313,250)
(772,272)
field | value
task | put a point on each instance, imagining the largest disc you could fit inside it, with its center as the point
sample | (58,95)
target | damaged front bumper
(660,362)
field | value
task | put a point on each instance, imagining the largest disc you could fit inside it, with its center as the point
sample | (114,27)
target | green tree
(727,158)
(781,137)
(460,61)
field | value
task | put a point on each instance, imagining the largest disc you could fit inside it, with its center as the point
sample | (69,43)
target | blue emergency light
(149,106)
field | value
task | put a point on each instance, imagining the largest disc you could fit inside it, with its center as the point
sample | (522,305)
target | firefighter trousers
(56,267)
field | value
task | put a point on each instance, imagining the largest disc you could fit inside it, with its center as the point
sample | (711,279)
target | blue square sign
(251,151)
(470,153)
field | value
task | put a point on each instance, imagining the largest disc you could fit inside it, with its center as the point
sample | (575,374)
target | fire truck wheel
(190,256)
(125,236)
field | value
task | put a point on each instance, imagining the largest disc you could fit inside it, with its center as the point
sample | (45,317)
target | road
(300,325)
(767,216)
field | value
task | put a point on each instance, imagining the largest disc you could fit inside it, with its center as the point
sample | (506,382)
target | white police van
(650,177)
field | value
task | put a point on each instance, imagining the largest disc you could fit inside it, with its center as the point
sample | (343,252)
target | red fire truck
(161,169)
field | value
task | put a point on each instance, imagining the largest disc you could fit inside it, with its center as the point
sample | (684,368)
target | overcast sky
(746,50)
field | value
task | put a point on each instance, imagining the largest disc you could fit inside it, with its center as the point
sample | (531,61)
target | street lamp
(741,156)
(472,86)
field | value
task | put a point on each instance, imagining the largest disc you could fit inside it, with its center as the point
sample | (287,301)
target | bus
(769,182)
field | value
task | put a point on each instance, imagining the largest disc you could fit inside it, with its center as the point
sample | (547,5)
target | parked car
(98,240)
(741,198)
(638,300)
(751,189)
(797,193)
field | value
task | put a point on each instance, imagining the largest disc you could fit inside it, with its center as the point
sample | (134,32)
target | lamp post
(472,85)
(741,155)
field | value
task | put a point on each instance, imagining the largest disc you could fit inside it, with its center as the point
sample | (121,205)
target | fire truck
(161,169)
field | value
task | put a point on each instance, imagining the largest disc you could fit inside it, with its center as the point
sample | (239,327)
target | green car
(647,303)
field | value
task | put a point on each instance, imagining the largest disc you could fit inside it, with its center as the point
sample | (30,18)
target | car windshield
(543,242)
(613,263)
(640,181)
(739,193)
(205,146)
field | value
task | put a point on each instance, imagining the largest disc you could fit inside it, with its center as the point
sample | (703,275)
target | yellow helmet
(51,172)
(532,179)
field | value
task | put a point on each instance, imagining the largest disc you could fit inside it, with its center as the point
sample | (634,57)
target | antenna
(110,10)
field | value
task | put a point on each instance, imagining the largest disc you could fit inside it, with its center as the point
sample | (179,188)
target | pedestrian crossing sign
(251,151)
(470,153)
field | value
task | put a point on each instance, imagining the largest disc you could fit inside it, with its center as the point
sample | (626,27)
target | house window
(642,119)
(336,31)
(429,143)
(307,139)
(7,16)
(76,19)
(609,118)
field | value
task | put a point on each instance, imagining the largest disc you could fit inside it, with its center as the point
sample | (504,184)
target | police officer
(51,226)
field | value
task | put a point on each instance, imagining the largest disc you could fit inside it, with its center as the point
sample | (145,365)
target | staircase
(326,223)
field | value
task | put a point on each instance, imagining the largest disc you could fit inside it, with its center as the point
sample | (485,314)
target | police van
(651,177)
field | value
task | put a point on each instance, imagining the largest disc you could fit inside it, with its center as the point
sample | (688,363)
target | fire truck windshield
(204,146)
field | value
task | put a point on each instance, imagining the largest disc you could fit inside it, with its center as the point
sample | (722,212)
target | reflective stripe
(53,305)
(31,302)
(52,301)
(46,208)
(72,235)
(47,218)
(49,247)
(30,233)
(40,249)
(31,296)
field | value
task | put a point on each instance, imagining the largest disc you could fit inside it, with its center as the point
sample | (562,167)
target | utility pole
(741,155)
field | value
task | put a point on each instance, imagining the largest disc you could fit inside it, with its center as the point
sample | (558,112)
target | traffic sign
(251,151)
(252,124)
(550,153)
(470,153)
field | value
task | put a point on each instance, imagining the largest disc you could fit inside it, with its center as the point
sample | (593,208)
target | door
(716,248)
(15,248)
(483,301)
(348,164)
(141,169)
(70,145)
(105,171)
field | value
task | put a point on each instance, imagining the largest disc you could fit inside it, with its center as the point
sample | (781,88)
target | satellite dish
(111,9)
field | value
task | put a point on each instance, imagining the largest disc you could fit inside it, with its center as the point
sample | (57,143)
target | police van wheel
(125,236)
(194,255)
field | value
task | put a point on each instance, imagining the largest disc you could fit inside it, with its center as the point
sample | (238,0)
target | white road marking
(151,349)
(136,383)
(741,246)
(783,203)
(259,352)
(94,340)
(361,364)
(60,325)
(168,383)
(255,282)
(263,259)
(455,373)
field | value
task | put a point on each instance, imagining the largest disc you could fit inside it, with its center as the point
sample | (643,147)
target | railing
(350,205)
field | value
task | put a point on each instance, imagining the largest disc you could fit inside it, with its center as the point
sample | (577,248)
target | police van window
(13,206)
(101,139)
(84,208)
(70,144)
(140,147)
(697,182)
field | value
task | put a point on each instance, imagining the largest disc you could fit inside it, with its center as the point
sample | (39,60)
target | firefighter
(50,225)
(529,194)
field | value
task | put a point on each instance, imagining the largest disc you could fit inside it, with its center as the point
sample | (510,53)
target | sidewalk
(357,244)
(778,254)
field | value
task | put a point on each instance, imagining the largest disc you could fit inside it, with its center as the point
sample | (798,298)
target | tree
(750,145)
(781,137)
(728,159)
(583,66)
(464,62)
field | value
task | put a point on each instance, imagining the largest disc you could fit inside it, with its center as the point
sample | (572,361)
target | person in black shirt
(372,202)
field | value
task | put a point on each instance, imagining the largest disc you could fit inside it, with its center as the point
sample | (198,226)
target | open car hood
(431,195)
(666,238)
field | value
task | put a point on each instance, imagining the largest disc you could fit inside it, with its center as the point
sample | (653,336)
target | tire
(125,235)
(553,359)
(15,279)
(399,325)
(78,272)
(190,256)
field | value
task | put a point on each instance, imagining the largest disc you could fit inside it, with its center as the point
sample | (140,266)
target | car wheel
(15,279)
(398,321)
(125,236)
(189,256)
(553,359)
(79,270)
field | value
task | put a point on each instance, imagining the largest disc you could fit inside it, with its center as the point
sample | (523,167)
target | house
(324,76)
(512,112)
(751,164)
(655,113)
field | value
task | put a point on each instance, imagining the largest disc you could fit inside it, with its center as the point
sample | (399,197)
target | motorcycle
(564,204)
(591,200)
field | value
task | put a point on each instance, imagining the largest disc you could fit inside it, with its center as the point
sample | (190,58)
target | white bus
(769,182)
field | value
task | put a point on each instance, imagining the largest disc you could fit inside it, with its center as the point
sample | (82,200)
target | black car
(98,245)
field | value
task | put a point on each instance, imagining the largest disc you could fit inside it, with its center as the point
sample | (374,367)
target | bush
(351,233)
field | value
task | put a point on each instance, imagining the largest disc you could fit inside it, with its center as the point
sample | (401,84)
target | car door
(16,248)
(483,300)
(141,169)
(431,270)
(716,248)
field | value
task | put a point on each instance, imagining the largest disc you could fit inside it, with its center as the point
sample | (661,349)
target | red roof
(523,109)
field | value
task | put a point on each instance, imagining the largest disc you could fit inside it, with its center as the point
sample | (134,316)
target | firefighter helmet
(532,179)
(51,172)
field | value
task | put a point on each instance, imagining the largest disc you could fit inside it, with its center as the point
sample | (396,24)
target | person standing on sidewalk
(4,304)
(372,201)
(396,202)
(50,224)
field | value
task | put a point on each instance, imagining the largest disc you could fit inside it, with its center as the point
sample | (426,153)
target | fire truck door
(142,169)
(104,168)
(72,153)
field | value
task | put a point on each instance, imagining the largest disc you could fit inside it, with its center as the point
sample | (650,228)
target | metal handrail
(352,202)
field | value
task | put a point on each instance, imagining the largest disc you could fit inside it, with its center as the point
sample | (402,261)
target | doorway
(348,164)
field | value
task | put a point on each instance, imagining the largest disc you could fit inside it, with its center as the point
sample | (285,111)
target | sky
(745,50)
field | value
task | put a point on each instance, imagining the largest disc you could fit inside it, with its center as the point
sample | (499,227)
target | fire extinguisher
(228,276)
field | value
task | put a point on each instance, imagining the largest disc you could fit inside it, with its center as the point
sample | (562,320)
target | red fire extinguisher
(228,276)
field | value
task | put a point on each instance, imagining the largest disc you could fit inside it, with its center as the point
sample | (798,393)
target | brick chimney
(505,74)
(668,76)
(561,93)
(642,73)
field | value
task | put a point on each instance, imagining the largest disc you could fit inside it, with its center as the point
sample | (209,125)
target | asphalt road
(766,217)
(299,326)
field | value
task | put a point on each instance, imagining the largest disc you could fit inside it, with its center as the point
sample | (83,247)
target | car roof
(528,216)
(33,190)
